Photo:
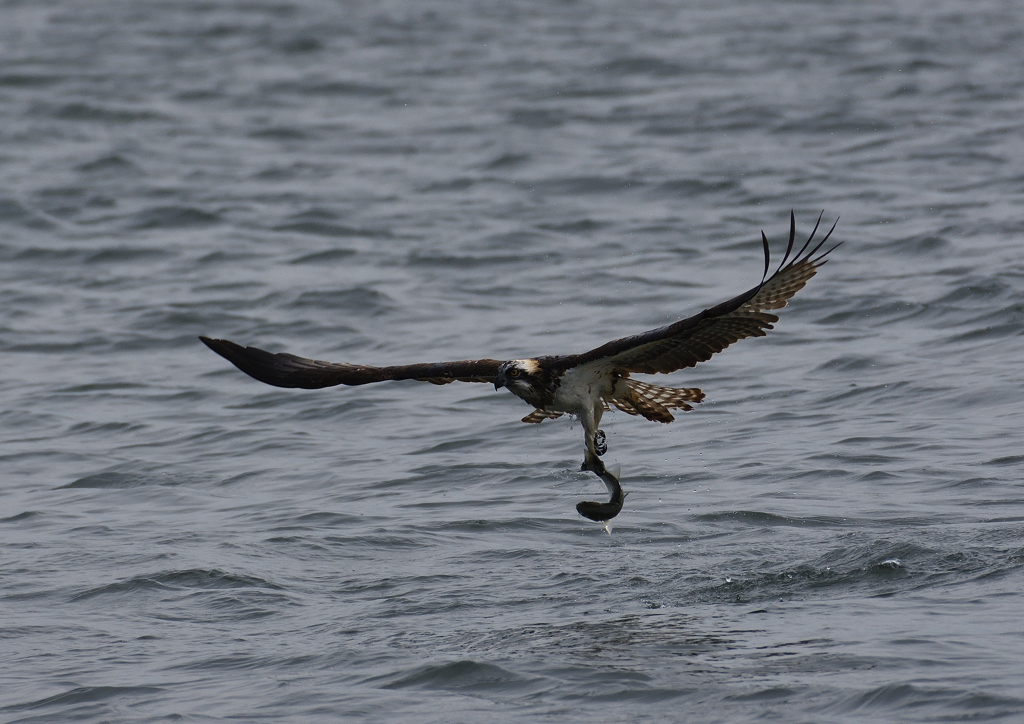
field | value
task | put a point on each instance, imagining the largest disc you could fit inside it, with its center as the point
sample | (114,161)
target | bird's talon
(600,442)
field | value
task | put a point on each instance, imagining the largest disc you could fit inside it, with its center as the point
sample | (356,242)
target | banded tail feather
(654,401)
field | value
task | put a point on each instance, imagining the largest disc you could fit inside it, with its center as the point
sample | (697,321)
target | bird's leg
(595,439)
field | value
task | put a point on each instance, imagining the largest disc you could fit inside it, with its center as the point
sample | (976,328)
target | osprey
(582,385)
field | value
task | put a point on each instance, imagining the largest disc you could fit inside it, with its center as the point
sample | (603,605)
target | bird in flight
(581,385)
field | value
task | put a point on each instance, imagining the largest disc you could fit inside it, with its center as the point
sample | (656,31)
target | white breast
(582,388)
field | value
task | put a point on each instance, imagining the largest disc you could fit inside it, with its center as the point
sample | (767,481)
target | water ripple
(835,533)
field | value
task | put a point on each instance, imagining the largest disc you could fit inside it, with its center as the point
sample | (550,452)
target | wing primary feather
(830,234)
(820,260)
(792,237)
(811,237)
(821,243)
(767,257)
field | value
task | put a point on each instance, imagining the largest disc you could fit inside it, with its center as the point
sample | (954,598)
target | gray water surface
(834,535)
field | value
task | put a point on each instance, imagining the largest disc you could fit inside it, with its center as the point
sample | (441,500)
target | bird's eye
(513,372)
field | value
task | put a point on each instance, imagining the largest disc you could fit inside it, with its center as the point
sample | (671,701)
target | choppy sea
(835,535)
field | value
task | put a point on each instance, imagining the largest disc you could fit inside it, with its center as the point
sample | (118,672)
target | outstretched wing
(287,370)
(694,340)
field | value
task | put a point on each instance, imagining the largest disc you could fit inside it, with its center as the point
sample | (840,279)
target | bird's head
(518,375)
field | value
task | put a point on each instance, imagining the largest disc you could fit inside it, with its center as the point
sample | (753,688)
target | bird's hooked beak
(499,382)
